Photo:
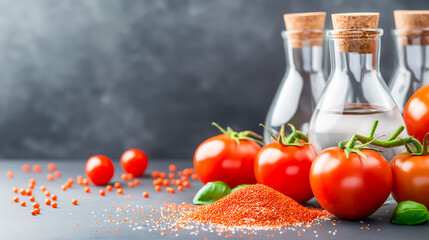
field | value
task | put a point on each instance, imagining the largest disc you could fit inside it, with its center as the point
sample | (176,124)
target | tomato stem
(237,136)
(294,139)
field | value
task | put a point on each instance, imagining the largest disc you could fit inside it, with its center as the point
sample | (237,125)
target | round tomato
(222,158)
(416,113)
(350,188)
(286,169)
(134,161)
(411,178)
(99,169)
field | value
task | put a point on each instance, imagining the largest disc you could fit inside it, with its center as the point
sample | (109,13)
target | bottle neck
(307,59)
(355,61)
(412,47)
(304,50)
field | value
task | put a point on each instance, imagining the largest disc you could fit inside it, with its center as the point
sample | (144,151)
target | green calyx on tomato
(237,136)
(410,213)
(211,192)
(392,141)
(296,138)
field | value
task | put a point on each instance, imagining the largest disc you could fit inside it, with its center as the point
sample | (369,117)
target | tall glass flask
(412,48)
(355,94)
(304,80)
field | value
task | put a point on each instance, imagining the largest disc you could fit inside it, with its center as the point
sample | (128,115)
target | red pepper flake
(51,167)
(37,168)
(26,168)
(257,206)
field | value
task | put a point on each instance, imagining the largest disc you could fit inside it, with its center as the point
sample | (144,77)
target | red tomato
(352,188)
(221,158)
(134,161)
(411,178)
(286,169)
(99,169)
(416,113)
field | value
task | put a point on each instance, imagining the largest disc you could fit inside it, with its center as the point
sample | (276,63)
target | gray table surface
(79,222)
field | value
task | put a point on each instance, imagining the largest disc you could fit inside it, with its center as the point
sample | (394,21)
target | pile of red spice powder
(256,206)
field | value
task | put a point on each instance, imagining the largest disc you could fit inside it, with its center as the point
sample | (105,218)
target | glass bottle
(304,79)
(412,49)
(355,94)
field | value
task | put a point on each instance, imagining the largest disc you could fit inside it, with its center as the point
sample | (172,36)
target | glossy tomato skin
(416,113)
(351,188)
(286,169)
(99,169)
(134,161)
(221,158)
(411,178)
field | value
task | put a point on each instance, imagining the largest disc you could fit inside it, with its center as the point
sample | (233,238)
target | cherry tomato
(286,169)
(411,178)
(99,169)
(134,161)
(352,188)
(416,113)
(221,158)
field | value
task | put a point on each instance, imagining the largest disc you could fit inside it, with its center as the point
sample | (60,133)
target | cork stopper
(305,27)
(408,21)
(348,39)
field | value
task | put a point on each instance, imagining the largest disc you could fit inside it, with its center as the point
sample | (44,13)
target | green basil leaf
(238,187)
(410,213)
(212,192)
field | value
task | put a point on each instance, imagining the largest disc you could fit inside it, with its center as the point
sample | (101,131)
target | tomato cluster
(100,169)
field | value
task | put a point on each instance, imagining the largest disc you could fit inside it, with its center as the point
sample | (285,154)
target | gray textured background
(84,77)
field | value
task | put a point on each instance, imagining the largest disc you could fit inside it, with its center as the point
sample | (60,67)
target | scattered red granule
(158,188)
(109,188)
(155,174)
(87,189)
(15,190)
(136,182)
(145,194)
(23,204)
(57,174)
(102,192)
(54,197)
(186,184)
(117,185)
(47,193)
(85,182)
(171,175)
(63,187)
(157,182)
(165,182)
(37,210)
(22,191)
(37,168)
(130,184)
(178,182)
(16,199)
(54,204)
(184,178)
(36,205)
(256,206)
(172,168)
(124,177)
(162,174)
(74,201)
(51,167)
(130,176)
(120,191)
(28,192)
(50,177)
(179,188)
(194,176)
(33,212)
(43,188)
(48,202)
(32,198)
(170,190)
(26,168)
(9,174)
